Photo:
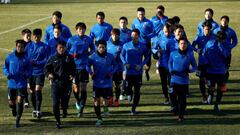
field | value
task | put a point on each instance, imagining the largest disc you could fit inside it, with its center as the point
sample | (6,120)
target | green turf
(154,117)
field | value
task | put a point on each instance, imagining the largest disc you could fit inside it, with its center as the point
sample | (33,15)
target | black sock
(123,91)
(26,98)
(76,95)
(83,100)
(38,100)
(33,99)
(98,111)
(19,111)
(13,107)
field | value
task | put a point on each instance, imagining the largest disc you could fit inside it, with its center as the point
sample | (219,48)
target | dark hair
(59,27)
(123,18)
(37,31)
(209,10)
(136,31)
(141,9)
(25,31)
(61,43)
(81,25)
(221,35)
(58,14)
(182,38)
(20,41)
(225,17)
(161,7)
(167,26)
(176,19)
(102,42)
(100,13)
(115,31)
(207,24)
(179,26)
(170,21)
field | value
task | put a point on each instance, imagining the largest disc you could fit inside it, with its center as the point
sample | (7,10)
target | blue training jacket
(146,29)
(158,23)
(216,54)
(133,54)
(38,54)
(180,65)
(115,49)
(66,33)
(161,44)
(78,47)
(101,31)
(125,35)
(200,28)
(198,46)
(103,69)
(231,39)
(52,43)
(17,69)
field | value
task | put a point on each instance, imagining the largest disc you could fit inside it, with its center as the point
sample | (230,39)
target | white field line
(22,26)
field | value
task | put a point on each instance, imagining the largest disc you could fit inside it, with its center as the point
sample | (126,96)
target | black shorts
(118,77)
(213,79)
(81,76)
(202,71)
(134,80)
(13,93)
(102,92)
(36,80)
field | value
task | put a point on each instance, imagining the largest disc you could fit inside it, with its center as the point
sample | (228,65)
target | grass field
(154,117)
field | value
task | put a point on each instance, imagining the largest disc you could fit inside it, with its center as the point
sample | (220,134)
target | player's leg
(76,90)
(97,108)
(164,80)
(136,98)
(12,93)
(32,87)
(182,100)
(38,92)
(56,91)
(20,96)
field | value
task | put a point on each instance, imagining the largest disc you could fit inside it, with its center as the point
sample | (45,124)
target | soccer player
(101,30)
(56,19)
(101,67)
(146,29)
(181,63)
(216,52)
(159,20)
(52,43)
(161,50)
(38,53)
(60,70)
(26,35)
(114,47)
(198,45)
(132,57)
(17,69)
(208,13)
(80,47)
(231,39)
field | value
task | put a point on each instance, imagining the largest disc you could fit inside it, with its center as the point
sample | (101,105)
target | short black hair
(61,42)
(170,21)
(123,18)
(100,13)
(141,9)
(179,26)
(209,10)
(182,38)
(25,31)
(161,7)
(225,17)
(136,31)
(221,35)
(207,23)
(81,25)
(59,27)
(20,41)
(167,26)
(58,14)
(176,19)
(115,31)
(101,41)
(37,31)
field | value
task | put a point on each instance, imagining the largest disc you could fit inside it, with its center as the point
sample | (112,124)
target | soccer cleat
(99,122)
(209,100)
(180,118)
(79,114)
(116,103)
(26,105)
(58,126)
(216,109)
(204,100)
(122,97)
(77,106)
(17,125)
(39,114)
(166,102)
(134,112)
(34,114)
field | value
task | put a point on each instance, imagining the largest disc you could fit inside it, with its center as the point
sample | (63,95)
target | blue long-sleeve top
(38,53)
(101,31)
(200,28)
(115,49)
(79,47)
(133,54)
(231,38)
(125,35)
(180,65)
(216,54)
(146,29)
(66,33)
(103,68)
(161,45)
(52,43)
(198,46)
(17,69)
(158,23)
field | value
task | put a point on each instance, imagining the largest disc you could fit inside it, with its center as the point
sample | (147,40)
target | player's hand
(50,77)
(70,77)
